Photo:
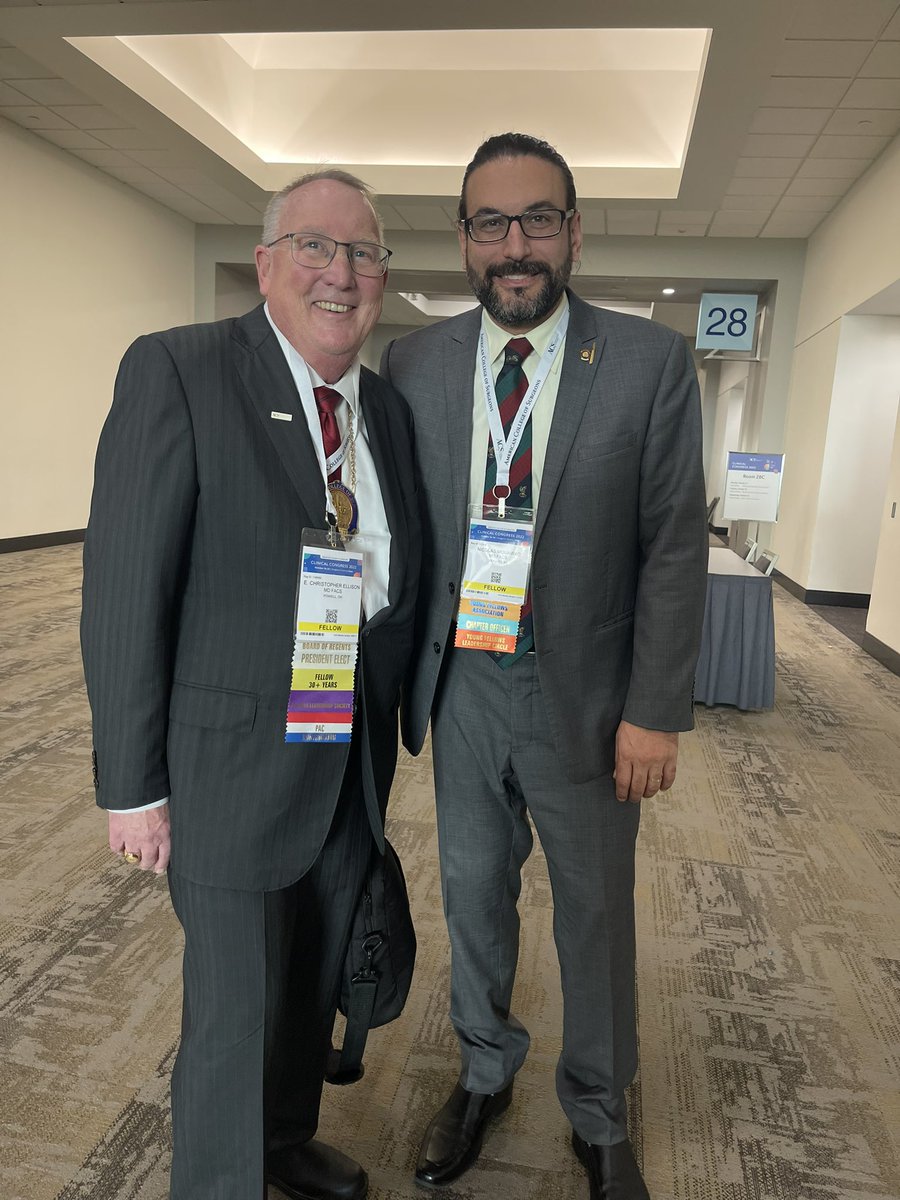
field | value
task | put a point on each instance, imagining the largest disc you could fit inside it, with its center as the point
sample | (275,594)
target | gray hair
(272,217)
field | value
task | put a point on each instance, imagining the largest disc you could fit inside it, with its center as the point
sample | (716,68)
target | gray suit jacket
(620,555)
(191,561)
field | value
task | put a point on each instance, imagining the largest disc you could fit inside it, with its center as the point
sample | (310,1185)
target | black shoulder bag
(379,964)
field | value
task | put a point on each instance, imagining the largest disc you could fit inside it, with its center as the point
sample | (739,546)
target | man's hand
(143,833)
(645,761)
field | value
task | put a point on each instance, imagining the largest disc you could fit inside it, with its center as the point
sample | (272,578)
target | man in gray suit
(579,722)
(212,462)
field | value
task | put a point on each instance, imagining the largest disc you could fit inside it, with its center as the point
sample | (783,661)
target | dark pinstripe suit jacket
(191,561)
(620,552)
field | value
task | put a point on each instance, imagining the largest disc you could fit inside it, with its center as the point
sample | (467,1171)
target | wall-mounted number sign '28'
(726,322)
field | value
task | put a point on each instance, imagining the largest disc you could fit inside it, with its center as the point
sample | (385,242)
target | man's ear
(263,267)
(575,238)
(463,240)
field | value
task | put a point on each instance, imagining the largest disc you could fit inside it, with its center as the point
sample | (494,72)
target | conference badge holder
(495,577)
(326,638)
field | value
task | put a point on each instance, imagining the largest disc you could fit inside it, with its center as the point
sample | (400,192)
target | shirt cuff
(143,807)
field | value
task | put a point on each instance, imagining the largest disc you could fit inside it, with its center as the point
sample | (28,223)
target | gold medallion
(345,508)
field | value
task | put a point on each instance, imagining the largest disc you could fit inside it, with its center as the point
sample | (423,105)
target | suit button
(437,647)
(452,587)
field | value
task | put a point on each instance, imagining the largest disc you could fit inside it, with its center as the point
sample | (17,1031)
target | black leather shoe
(612,1170)
(314,1171)
(453,1140)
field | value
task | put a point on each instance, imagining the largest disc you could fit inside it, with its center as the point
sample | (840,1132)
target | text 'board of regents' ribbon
(326,645)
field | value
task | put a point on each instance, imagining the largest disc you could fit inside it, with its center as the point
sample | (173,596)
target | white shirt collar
(347,385)
(539,337)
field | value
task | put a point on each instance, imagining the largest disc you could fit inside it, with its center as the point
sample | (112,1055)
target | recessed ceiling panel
(272,104)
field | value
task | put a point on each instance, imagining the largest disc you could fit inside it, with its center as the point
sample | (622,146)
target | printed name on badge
(495,579)
(326,635)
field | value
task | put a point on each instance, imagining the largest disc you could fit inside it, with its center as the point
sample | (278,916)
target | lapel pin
(277,416)
(588,355)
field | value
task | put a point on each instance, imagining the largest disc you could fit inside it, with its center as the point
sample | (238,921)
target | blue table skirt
(737,651)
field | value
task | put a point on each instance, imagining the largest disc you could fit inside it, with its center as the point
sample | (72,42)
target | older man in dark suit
(579,719)
(224,442)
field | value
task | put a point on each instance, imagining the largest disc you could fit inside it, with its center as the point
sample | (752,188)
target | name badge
(326,645)
(494,583)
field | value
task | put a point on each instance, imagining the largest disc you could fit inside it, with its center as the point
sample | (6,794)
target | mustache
(516,268)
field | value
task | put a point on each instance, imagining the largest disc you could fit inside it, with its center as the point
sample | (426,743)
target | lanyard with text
(304,384)
(505,448)
(336,460)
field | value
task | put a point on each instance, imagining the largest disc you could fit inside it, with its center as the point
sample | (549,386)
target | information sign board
(752,486)
(726,322)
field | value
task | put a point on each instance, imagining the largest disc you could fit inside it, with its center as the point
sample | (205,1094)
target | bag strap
(346,1065)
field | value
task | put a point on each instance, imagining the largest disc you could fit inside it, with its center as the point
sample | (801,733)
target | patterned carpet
(769,953)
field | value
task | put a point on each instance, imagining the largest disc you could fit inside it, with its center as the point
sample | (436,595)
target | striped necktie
(511,389)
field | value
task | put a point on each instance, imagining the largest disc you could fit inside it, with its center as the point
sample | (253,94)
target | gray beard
(520,311)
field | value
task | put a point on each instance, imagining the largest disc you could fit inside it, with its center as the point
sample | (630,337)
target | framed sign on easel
(752,487)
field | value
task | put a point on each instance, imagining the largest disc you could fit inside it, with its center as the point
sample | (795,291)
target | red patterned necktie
(511,389)
(327,400)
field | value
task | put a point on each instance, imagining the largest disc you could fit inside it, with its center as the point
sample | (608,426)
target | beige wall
(88,264)
(853,256)
(805,436)
(726,430)
(235,293)
(855,252)
(857,458)
(884,610)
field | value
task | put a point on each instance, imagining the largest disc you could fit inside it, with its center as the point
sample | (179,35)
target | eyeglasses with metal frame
(539,223)
(317,251)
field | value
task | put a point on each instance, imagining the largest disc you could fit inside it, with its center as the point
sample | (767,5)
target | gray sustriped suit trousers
(261,982)
(495,764)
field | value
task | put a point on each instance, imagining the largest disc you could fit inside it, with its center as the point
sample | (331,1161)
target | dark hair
(517,145)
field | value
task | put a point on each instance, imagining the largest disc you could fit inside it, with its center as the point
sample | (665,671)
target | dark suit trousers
(495,763)
(261,982)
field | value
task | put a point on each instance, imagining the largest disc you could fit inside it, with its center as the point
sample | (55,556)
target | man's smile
(333,306)
(517,274)
(515,280)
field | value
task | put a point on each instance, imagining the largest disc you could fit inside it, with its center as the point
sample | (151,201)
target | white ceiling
(371,100)
(798,98)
